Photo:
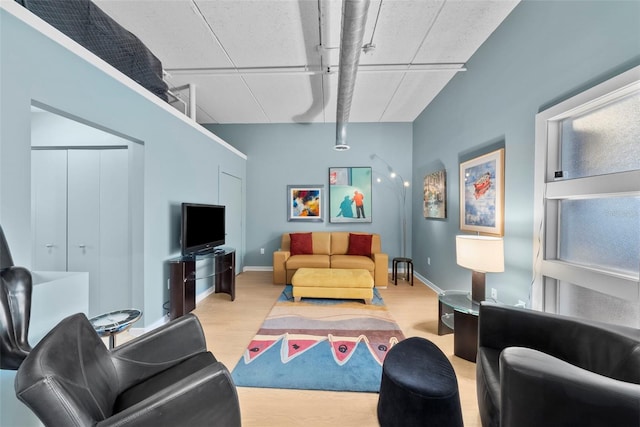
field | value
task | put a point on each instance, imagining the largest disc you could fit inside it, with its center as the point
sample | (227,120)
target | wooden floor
(230,325)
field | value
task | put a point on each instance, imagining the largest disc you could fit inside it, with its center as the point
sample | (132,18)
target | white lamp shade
(480,253)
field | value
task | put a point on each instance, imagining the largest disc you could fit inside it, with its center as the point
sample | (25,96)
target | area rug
(319,344)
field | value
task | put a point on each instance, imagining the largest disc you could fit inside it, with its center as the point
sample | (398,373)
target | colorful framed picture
(435,195)
(482,194)
(305,203)
(350,194)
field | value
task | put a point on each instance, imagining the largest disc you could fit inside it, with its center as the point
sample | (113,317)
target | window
(587,204)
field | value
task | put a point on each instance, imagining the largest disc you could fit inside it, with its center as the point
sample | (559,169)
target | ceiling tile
(416,91)
(258,33)
(287,99)
(371,94)
(402,26)
(461,28)
(172,29)
(224,98)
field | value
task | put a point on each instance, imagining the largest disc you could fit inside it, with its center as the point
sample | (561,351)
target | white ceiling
(276,61)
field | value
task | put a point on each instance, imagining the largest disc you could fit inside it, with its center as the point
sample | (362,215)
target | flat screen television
(203,227)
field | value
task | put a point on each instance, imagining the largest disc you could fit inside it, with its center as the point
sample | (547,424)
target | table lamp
(481,254)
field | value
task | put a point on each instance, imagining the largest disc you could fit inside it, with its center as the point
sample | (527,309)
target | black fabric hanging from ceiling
(88,25)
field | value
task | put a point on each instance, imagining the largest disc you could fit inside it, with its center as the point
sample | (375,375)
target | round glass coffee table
(112,323)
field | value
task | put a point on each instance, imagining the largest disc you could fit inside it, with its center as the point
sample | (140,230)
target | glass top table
(110,324)
(459,301)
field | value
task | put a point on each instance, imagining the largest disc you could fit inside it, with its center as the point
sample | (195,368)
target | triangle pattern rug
(319,344)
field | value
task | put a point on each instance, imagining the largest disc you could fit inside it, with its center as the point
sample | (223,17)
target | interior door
(115,282)
(231,197)
(49,209)
(84,219)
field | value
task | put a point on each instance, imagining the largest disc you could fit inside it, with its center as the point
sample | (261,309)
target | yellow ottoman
(332,283)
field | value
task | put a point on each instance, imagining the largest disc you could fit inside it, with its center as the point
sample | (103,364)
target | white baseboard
(256,268)
(428,283)
(204,294)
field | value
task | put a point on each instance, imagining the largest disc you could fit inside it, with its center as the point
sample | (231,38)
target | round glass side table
(112,323)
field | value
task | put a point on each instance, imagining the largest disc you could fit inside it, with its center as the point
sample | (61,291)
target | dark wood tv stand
(182,278)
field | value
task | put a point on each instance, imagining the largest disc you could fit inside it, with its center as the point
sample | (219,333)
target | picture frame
(482,194)
(305,203)
(435,195)
(350,194)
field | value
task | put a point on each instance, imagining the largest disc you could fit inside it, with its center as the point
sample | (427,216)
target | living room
(542,54)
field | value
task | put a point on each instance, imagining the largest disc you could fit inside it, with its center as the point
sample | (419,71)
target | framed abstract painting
(482,194)
(350,194)
(305,203)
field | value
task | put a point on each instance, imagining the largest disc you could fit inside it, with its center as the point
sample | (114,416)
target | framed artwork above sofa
(305,203)
(350,194)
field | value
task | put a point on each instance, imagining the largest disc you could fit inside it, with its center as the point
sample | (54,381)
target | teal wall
(181,161)
(545,51)
(301,154)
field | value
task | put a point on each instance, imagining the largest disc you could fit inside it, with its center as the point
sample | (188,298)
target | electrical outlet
(494,293)
(521,304)
(261,251)
(428,260)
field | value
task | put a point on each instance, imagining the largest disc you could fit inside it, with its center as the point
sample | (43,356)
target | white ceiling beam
(304,70)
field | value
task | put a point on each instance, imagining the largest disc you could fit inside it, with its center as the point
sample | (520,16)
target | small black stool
(419,387)
(408,271)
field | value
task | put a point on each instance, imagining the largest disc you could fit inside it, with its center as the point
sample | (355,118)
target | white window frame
(548,270)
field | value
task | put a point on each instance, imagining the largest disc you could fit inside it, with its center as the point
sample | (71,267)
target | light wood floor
(230,325)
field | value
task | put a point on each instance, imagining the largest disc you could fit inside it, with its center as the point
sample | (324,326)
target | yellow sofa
(330,251)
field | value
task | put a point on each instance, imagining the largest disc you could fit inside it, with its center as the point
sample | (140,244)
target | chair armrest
(609,350)
(381,275)
(279,270)
(538,389)
(158,350)
(207,397)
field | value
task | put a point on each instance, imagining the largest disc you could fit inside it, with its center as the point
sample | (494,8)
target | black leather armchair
(16,287)
(539,369)
(163,378)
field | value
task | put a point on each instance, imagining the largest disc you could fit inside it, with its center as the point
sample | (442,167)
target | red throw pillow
(301,244)
(359,244)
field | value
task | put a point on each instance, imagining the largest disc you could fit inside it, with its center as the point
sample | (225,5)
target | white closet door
(115,289)
(49,209)
(84,219)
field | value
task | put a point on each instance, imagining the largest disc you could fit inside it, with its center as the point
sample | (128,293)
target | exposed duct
(354,19)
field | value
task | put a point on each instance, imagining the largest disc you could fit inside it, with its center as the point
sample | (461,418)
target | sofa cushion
(301,244)
(339,242)
(352,261)
(321,242)
(359,244)
(311,261)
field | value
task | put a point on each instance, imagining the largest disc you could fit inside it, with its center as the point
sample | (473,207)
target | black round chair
(419,387)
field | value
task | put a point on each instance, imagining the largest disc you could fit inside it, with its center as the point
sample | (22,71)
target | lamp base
(478,286)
